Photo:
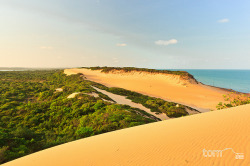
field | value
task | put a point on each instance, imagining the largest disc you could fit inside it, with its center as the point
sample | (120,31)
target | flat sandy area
(165,86)
(123,100)
(213,138)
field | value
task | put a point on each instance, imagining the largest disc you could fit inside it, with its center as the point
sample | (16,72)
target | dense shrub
(2,153)
(85,131)
(33,116)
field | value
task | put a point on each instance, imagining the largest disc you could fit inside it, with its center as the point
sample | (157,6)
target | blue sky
(182,34)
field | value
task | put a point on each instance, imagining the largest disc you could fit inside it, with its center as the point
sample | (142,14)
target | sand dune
(165,86)
(181,141)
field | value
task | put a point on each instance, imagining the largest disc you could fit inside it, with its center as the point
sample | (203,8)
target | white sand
(73,95)
(59,90)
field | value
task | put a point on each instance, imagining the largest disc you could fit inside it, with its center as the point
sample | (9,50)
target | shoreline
(224,89)
(232,79)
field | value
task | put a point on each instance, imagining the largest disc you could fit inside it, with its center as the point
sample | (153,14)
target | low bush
(234,99)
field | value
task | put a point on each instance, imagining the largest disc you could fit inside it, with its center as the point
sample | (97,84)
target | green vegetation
(183,74)
(34,116)
(171,109)
(233,99)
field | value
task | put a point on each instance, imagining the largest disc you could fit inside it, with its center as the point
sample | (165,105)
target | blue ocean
(238,80)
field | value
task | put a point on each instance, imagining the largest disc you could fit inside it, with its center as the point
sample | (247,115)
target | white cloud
(46,47)
(121,44)
(223,20)
(166,42)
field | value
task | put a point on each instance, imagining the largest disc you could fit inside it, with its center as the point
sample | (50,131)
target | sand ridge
(166,86)
(180,141)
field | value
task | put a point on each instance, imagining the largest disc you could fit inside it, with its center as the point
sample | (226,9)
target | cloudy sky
(182,34)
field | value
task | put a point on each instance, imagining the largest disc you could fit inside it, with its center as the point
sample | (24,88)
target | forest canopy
(35,116)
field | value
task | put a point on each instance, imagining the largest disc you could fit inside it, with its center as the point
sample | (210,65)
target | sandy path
(123,100)
(167,87)
(179,141)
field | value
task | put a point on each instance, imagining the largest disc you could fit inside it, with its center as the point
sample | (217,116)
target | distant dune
(166,86)
(192,140)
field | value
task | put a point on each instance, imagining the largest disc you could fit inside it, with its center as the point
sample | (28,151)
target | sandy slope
(173,142)
(168,87)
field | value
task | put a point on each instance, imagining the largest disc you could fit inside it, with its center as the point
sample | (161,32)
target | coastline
(224,89)
(236,79)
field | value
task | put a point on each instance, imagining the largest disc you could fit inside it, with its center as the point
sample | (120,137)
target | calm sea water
(238,80)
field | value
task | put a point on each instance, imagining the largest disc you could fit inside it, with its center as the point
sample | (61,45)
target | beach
(214,138)
(166,86)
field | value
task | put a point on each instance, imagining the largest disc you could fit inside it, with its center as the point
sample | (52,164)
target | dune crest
(188,140)
(171,78)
